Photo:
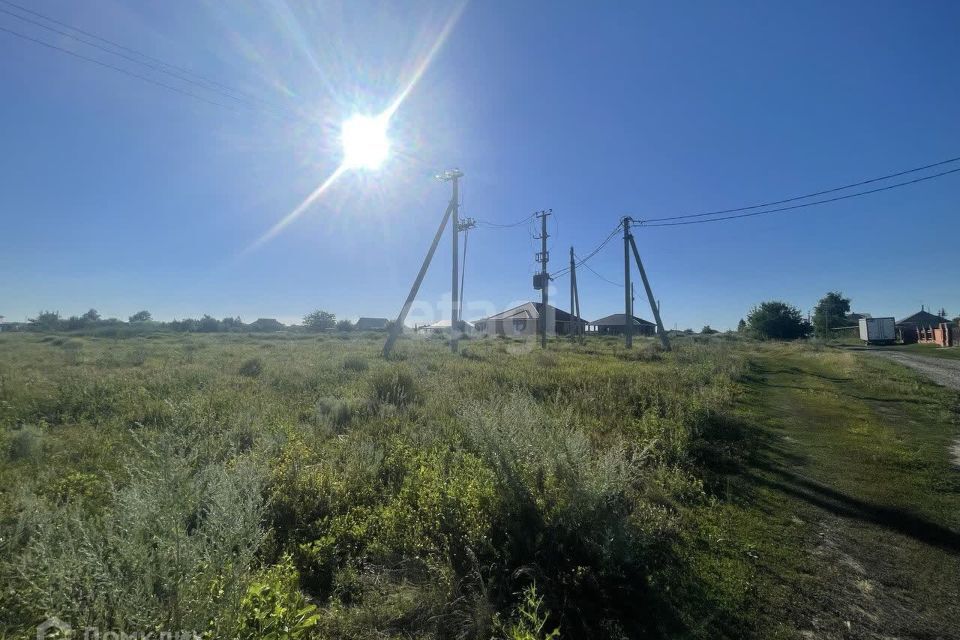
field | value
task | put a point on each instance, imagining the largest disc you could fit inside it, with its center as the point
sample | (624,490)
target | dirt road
(942,371)
(853,468)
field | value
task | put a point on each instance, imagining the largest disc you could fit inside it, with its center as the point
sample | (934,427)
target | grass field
(301,487)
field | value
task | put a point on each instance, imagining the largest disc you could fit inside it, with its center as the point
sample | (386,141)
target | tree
(232,324)
(208,324)
(344,325)
(777,320)
(91,316)
(46,321)
(185,325)
(707,330)
(830,312)
(742,326)
(319,320)
(141,316)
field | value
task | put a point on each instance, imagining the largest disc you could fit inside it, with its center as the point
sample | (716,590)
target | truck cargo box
(878,330)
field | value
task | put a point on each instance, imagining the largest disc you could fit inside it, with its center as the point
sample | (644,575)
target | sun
(365,142)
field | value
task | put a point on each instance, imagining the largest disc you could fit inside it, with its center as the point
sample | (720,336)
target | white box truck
(878,330)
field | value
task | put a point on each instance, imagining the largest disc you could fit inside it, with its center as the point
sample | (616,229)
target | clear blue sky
(120,195)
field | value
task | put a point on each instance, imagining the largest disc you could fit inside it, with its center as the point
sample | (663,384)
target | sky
(121,195)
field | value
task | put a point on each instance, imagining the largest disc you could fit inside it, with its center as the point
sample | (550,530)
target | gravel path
(940,370)
(943,372)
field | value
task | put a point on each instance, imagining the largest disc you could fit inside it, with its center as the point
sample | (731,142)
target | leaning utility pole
(627,307)
(576,298)
(654,306)
(453,175)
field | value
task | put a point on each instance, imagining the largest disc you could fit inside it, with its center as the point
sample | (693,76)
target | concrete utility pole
(452,175)
(465,226)
(573,295)
(654,305)
(627,310)
(543,257)
(576,298)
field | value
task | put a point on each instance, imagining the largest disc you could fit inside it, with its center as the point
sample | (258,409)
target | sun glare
(365,143)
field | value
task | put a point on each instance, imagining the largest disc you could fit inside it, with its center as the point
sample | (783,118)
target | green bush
(355,363)
(251,368)
(567,515)
(337,411)
(24,443)
(529,620)
(273,607)
(174,544)
(392,385)
(410,502)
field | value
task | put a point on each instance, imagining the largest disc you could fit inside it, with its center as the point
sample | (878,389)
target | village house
(443,326)
(615,324)
(372,324)
(919,327)
(523,320)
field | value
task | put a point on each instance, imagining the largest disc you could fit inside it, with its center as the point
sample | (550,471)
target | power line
(602,277)
(128,49)
(155,67)
(494,225)
(809,195)
(590,255)
(118,69)
(800,206)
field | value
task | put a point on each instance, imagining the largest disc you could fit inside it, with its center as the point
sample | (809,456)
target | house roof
(531,311)
(618,320)
(559,314)
(443,324)
(266,322)
(923,319)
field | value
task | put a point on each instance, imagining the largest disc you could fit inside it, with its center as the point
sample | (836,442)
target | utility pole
(654,306)
(573,296)
(627,311)
(576,298)
(465,226)
(826,319)
(543,257)
(452,175)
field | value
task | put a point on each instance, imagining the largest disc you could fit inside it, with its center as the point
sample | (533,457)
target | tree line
(318,320)
(770,320)
(778,320)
